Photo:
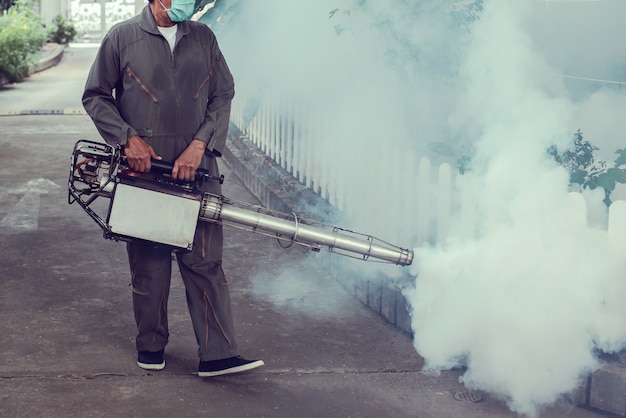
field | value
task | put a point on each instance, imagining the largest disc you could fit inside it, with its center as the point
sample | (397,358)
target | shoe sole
(232,370)
(148,366)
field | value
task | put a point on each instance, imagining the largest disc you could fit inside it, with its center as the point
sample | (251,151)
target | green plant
(21,37)
(585,171)
(63,32)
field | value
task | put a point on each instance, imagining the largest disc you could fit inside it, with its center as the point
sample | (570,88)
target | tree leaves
(578,177)
(585,171)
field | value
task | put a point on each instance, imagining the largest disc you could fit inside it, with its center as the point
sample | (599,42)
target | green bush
(21,37)
(63,32)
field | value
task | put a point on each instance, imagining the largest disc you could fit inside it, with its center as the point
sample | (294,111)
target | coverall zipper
(206,80)
(132,75)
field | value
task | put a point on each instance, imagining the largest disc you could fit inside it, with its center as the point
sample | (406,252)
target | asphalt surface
(67,332)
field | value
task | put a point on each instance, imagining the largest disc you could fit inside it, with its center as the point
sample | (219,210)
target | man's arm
(98,98)
(211,135)
(100,104)
(214,129)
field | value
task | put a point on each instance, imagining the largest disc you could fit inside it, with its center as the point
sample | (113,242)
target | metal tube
(215,209)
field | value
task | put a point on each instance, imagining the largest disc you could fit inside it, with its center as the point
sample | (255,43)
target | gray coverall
(169,98)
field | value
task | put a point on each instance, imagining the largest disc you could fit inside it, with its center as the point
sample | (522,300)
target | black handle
(202,175)
(164,167)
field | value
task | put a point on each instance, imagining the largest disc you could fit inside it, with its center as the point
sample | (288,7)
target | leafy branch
(580,161)
(588,173)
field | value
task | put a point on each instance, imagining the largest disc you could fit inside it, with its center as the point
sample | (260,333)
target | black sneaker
(227,366)
(151,360)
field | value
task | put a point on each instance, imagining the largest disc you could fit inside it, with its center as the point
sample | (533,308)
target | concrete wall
(49,9)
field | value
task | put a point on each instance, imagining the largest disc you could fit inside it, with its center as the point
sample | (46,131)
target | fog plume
(526,303)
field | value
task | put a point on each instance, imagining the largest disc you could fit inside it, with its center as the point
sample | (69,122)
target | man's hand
(138,154)
(189,160)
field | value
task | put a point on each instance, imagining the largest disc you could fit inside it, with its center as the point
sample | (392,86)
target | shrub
(21,37)
(63,32)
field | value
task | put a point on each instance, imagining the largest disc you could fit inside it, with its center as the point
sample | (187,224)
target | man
(160,87)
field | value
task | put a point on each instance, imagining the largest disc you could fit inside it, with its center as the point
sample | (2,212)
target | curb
(53,55)
(604,390)
(68,111)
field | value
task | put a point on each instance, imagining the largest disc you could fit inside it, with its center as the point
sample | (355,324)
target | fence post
(423,201)
(443,201)
(408,225)
(577,207)
(617,225)
(289,136)
(466,226)
(263,126)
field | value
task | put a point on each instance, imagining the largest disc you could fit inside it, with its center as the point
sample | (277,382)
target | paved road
(67,330)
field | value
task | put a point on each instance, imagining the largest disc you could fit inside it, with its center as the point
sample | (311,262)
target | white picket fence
(420,208)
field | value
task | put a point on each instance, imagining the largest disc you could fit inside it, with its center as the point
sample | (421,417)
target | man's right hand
(138,154)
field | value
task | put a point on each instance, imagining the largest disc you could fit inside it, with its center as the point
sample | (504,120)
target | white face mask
(181,10)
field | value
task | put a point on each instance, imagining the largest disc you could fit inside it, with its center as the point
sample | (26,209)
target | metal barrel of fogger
(214,208)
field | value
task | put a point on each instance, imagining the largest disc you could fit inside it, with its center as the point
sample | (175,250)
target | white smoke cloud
(303,289)
(525,304)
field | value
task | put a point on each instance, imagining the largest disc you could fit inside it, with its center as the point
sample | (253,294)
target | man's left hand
(189,160)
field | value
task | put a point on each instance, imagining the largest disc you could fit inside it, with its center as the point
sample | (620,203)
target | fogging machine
(157,209)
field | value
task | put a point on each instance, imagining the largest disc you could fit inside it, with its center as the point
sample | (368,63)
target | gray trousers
(208,296)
